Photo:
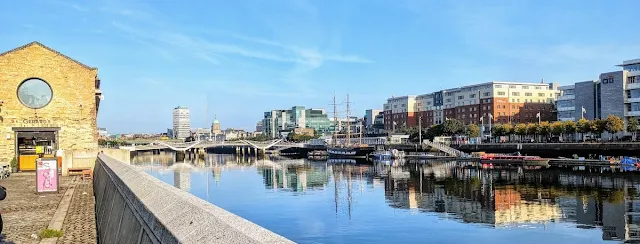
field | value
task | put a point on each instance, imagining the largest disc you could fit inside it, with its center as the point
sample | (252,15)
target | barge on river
(514,160)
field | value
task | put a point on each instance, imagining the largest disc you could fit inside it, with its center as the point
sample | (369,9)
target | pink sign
(47,175)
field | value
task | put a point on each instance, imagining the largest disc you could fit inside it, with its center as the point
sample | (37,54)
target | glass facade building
(275,121)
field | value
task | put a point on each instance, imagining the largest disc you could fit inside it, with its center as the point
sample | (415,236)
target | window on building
(460,97)
(472,96)
(448,100)
(525,87)
(528,94)
(631,79)
(538,88)
(513,87)
(486,94)
(566,103)
(541,94)
(515,94)
(395,106)
(501,93)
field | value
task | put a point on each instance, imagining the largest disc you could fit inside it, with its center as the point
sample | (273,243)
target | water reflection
(566,204)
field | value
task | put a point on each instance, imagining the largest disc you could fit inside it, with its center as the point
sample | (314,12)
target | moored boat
(381,155)
(514,159)
(346,152)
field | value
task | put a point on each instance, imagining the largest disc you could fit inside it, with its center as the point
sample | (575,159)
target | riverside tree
(557,128)
(583,126)
(520,130)
(452,127)
(473,131)
(632,126)
(613,124)
(570,128)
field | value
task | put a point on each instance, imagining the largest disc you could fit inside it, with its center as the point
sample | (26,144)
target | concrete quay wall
(134,207)
(563,149)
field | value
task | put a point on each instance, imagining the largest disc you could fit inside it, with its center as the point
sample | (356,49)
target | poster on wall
(46,175)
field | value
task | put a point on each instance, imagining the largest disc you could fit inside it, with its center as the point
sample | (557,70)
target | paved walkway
(26,213)
(80,224)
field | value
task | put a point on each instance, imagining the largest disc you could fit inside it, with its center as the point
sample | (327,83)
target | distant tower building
(259,126)
(215,127)
(181,123)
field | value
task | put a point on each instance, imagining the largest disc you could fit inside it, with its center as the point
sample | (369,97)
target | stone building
(49,102)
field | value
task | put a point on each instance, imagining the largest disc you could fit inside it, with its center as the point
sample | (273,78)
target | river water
(406,202)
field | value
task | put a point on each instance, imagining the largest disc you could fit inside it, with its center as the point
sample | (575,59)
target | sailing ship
(346,149)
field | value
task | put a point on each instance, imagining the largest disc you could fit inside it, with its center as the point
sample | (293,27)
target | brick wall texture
(72,108)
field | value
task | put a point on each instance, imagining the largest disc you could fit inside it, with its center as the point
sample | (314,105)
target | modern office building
(170,133)
(275,121)
(571,107)
(370,115)
(614,93)
(504,102)
(181,123)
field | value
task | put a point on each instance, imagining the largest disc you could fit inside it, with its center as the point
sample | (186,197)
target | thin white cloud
(304,51)
(79,8)
(208,50)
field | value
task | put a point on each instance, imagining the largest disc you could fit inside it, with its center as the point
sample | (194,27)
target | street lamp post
(420,130)
(482,126)
(490,119)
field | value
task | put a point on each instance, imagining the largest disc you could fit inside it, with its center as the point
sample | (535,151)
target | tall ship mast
(335,122)
(346,150)
(348,122)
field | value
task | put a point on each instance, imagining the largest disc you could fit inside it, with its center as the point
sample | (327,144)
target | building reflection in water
(496,197)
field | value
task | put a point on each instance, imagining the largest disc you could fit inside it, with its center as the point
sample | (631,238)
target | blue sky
(240,58)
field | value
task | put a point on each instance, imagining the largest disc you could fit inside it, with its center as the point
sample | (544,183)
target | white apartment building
(504,102)
(181,123)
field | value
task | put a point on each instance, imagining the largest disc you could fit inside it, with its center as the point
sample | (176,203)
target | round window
(35,93)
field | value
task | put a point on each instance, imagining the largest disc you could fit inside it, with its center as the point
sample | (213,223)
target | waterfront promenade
(25,214)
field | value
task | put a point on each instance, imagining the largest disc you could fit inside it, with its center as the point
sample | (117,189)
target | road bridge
(263,146)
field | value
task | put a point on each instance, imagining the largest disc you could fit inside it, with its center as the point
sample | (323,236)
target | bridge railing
(444,148)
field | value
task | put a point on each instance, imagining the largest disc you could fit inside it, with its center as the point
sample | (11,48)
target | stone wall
(134,207)
(73,104)
(86,158)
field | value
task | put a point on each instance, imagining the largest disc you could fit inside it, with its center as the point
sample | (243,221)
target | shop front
(49,104)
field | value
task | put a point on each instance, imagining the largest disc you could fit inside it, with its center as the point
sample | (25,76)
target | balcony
(631,113)
(632,86)
(632,100)
(566,109)
(566,97)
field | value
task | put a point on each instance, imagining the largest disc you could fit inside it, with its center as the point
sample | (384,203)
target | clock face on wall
(35,93)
